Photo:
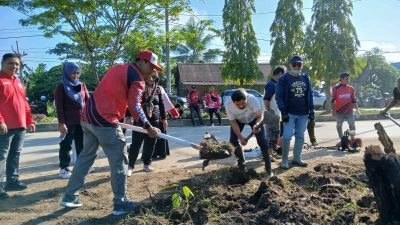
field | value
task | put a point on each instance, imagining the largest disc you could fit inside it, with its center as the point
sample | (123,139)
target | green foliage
(42,83)
(177,196)
(242,50)
(98,31)
(51,110)
(333,43)
(287,36)
(378,76)
(192,41)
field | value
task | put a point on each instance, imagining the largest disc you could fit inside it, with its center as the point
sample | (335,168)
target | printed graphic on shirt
(298,88)
(345,96)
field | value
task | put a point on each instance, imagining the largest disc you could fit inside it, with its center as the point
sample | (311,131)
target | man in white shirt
(245,109)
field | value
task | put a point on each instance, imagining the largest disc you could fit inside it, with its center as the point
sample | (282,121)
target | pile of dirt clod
(328,193)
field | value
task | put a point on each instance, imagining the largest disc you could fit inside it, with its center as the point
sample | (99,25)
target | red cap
(151,57)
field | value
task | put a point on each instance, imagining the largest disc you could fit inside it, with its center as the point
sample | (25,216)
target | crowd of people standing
(93,121)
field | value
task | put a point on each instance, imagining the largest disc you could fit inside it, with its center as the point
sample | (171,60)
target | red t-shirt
(194,98)
(122,86)
(14,109)
(344,98)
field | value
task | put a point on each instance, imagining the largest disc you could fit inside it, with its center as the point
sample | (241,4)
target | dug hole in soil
(326,193)
(329,191)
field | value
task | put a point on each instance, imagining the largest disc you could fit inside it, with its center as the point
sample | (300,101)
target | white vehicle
(319,100)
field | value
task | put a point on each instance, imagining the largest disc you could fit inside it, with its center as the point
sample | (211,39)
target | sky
(376,21)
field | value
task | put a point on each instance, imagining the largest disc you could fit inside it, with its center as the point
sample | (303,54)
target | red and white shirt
(344,97)
(14,109)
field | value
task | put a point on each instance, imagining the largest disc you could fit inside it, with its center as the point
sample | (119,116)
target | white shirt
(245,115)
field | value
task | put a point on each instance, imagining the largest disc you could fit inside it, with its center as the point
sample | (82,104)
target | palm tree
(194,39)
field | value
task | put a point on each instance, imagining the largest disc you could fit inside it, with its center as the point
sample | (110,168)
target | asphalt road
(40,153)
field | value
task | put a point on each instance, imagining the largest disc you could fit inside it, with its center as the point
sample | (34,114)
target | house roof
(210,74)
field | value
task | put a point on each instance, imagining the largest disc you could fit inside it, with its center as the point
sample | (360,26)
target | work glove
(358,114)
(311,116)
(285,117)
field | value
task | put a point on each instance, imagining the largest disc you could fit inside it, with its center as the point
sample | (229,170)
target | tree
(242,51)
(378,75)
(98,30)
(334,41)
(192,42)
(287,36)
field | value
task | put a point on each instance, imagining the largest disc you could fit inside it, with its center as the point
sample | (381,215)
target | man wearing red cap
(121,86)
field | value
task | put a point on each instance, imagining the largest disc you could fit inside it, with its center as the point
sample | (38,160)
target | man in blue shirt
(272,110)
(295,101)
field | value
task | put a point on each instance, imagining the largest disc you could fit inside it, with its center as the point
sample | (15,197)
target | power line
(25,36)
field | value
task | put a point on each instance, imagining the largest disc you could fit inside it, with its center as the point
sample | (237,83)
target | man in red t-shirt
(343,103)
(15,119)
(121,86)
(194,105)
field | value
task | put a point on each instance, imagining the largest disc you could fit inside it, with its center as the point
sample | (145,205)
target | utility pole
(20,55)
(167,49)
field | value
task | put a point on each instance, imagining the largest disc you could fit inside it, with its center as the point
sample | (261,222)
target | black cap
(193,86)
(344,74)
(295,59)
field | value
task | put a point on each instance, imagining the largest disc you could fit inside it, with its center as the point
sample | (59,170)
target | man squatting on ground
(295,101)
(245,109)
(121,86)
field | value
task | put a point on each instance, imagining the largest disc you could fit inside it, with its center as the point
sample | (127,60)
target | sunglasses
(297,64)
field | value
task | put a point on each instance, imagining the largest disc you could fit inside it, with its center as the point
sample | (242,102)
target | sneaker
(71,202)
(64,173)
(15,185)
(92,170)
(148,168)
(123,208)
(129,171)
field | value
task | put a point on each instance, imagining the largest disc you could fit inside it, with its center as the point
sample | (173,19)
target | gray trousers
(113,143)
(340,118)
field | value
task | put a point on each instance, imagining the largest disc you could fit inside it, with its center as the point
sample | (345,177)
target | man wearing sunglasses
(295,101)
(343,103)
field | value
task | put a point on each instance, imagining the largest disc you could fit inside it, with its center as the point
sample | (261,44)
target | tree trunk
(383,171)
(384,139)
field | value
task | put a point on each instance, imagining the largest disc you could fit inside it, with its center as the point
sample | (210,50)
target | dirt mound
(330,193)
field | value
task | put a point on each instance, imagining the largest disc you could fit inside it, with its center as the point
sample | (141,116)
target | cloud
(390,50)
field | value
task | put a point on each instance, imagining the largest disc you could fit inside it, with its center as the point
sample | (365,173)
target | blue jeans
(195,109)
(296,126)
(260,137)
(10,151)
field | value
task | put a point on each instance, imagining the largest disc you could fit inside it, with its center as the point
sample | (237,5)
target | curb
(225,121)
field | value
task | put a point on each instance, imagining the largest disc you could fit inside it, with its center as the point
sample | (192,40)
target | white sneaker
(129,171)
(92,170)
(147,168)
(65,173)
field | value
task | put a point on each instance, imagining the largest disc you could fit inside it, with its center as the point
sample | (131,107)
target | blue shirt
(294,95)
(269,89)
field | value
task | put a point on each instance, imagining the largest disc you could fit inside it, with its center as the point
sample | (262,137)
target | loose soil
(331,190)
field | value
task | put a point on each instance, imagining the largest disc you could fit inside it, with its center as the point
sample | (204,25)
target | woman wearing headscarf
(70,98)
